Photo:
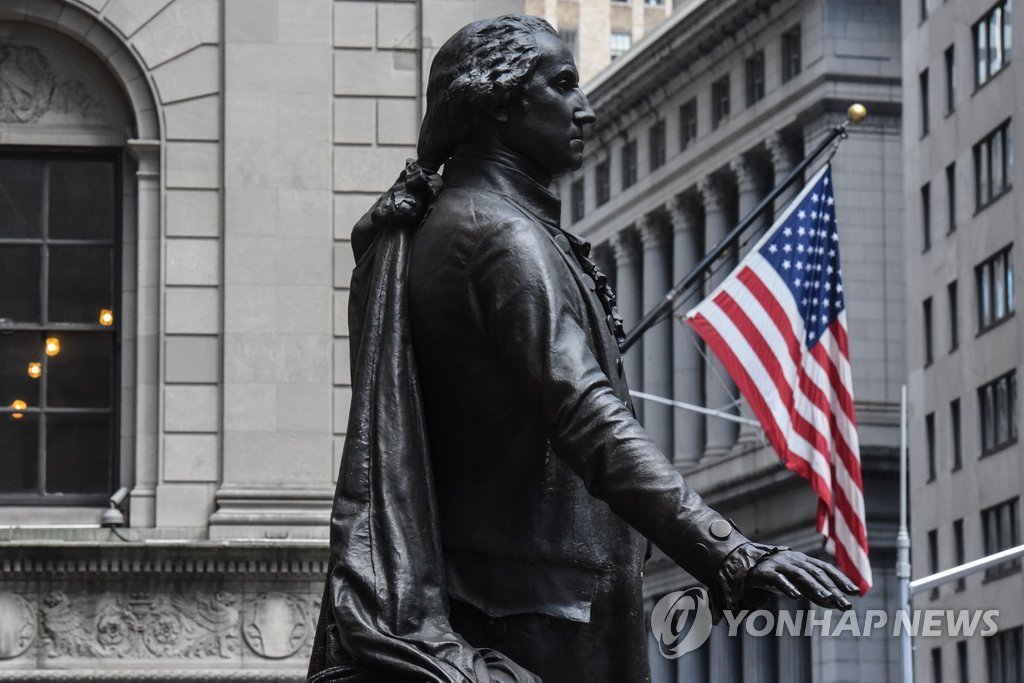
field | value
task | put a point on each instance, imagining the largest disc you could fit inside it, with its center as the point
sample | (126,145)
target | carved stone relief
(276,625)
(29,89)
(17,625)
(194,625)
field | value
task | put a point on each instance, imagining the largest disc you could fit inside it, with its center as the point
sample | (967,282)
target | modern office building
(178,179)
(963,342)
(695,124)
(599,31)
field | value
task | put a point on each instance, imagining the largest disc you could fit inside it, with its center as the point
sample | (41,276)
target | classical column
(627,278)
(718,388)
(687,375)
(657,351)
(748,194)
(783,159)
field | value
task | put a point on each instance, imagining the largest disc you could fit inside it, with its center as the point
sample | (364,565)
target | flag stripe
(778,324)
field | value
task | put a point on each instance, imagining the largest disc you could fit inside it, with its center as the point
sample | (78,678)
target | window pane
(981,58)
(1012,405)
(984,297)
(998,176)
(1002,405)
(1009,282)
(80,375)
(999,288)
(81,199)
(78,453)
(19,283)
(995,36)
(21,196)
(17,350)
(988,422)
(81,283)
(1007,35)
(19,450)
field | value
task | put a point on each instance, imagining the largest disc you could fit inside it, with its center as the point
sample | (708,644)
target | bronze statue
(497,493)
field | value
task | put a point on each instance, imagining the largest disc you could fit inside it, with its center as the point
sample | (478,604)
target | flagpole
(855,114)
(903,550)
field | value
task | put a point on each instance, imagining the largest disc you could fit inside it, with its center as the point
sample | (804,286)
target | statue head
(510,81)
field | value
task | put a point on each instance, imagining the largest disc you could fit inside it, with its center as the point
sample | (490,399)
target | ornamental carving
(276,625)
(141,626)
(17,625)
(29,88)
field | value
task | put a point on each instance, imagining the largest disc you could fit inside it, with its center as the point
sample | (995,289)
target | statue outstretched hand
(798,575)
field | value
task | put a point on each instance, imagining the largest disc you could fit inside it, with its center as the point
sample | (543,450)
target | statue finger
(837,576)
(824,578)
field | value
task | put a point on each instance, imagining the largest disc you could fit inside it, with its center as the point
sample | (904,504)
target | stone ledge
(150,676)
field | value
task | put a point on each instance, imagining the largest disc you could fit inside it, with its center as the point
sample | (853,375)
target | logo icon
(681,621)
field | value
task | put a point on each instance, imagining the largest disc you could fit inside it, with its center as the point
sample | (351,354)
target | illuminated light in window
(106,317)
(52,346)
(35,370)
(18,405)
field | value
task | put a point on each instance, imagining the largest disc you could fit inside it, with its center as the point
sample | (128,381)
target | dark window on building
(719,101)
(929,444)
(657,145)
(1004,653)
(958,548)
(951,197)
(603,182)
(923,92)
(992,42)
(994,278)
(578,200)
(961,661)
(620,42)
(1000,530)
(755,77)
(956,438)
(687,123)
(936,651)
(924,10)
(628,164)
(926,216)
(926,322)
(655,3)
(997,402)
(954,317)
(993,166)
(950,79)
(59,316)
(790,53)
(933,557)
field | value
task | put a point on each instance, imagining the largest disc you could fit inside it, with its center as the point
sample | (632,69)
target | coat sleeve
(531,311)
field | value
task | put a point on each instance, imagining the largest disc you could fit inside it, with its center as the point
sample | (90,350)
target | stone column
(783,159)
(146,334)
(627,279)
(718,388)
(657,350)
(687,376)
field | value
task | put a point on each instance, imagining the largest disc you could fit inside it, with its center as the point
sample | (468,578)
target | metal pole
(856,114)
(926,583)
(903,550)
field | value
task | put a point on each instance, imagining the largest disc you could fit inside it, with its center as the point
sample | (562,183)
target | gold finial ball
(857,112)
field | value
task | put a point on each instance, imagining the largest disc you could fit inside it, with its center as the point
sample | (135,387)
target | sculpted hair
(484,65)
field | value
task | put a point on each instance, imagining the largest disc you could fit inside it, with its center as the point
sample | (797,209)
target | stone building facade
(180,178)
(963,339)
(695,125)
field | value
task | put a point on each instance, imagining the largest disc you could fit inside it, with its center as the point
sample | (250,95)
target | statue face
(548,127)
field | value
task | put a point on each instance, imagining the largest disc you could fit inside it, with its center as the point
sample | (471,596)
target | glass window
(58,325)
(620,42)
(719,101)
(958,548)
(992,42)
(936,663)
(927,332)
(954,316)
(950,79)
(603,182)
(961,661)
(687,123)
(1000,530)
(629,164)
(956,441)
(755,77)
(951,198)
(926,216)
(994,278)
(929,444)
(656,147)
(923,92)
(790,53)
(578,200)
(1003,654)
(997,401)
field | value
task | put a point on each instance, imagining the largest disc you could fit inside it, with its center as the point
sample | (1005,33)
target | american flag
(778,324)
